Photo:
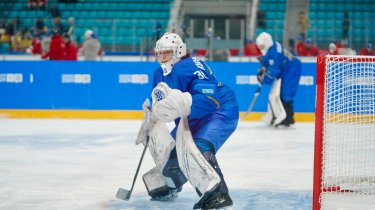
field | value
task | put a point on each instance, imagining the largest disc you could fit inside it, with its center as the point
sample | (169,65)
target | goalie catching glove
(169,104)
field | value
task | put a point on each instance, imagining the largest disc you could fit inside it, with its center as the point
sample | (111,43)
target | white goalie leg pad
(148,123)
(275,106)
(268,117)
(161,144)
(192,163)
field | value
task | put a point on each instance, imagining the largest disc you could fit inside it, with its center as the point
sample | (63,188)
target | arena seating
(327,21)
(275,17)
(122,22)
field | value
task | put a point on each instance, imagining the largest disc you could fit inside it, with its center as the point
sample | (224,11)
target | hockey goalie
(283,70)
(205,113)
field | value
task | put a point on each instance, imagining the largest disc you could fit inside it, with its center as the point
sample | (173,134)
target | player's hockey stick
(124,194)
(252,103)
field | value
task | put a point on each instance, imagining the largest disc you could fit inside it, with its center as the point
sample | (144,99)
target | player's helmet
(264,42)
(88,34)
(332,47)
(168,50)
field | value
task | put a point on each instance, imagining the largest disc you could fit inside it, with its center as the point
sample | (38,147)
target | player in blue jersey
(185,88)
(280,65)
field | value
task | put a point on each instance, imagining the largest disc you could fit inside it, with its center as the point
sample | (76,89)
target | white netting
(348,170)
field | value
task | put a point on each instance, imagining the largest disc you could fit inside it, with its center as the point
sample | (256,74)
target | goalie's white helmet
(264,42)
(168,50)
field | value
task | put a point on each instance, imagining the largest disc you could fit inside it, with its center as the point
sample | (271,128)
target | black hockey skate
(170,195)
(214,200)
(285,124)
(289,121)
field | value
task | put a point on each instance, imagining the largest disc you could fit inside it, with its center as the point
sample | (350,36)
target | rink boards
(116,90)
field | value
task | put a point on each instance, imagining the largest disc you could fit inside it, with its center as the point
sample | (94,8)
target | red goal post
(344,150)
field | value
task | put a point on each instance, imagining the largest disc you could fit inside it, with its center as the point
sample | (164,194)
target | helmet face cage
(168,51)
(163,55)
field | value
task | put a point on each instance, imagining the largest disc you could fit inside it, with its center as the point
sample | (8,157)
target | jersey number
(200,75)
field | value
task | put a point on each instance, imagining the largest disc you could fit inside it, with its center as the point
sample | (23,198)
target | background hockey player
(186,88)
(280,65)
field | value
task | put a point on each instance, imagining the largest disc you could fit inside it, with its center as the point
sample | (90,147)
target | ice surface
(79,165)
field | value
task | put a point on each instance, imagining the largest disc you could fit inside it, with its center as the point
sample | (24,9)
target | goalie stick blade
(123,194)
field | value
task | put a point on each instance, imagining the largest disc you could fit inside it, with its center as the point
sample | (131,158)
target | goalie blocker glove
(261,73)
(170,104)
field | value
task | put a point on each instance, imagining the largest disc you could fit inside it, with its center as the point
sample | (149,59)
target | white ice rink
(80,164)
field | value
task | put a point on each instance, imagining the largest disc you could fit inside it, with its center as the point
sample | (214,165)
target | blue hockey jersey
(282,64)
(214,110)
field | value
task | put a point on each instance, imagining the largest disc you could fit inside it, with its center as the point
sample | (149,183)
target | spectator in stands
(332,49)
(310,49)
(71,49)
(201,52)
(71,31)
(57,49)
(251,49)
(345,49)
(261,19)
(234,51)
(45,40)
(44,4)
(68,1)
(11,28)
(55,11)
(22,39)
(33,4)
(303,23)
(91,47)
(367,50)
(39,25)
(57,25)
(301,46)
(37,4)
(9,32)
(36,47)
(3,28)
(345,25)
(338,44)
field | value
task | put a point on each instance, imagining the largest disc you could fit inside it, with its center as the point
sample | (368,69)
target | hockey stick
(252,103)
(124,194)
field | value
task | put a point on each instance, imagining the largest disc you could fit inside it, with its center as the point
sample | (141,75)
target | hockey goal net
(344,157)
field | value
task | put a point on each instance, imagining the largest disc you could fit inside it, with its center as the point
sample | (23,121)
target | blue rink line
(243,200)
